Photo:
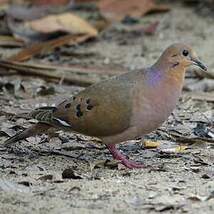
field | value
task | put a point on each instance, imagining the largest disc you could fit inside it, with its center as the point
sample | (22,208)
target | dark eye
(185,52)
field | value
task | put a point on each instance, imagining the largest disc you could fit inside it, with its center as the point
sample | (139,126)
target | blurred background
(52,49)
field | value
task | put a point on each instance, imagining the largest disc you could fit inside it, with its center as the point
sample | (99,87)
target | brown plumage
(123,107)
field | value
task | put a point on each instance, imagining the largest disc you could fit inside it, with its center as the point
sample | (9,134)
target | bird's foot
(132,164)
(118,156)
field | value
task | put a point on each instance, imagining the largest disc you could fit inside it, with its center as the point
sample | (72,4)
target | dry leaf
(148,144)
(4,2)
(47,46)
(66,22)
(118,9)
(174,149)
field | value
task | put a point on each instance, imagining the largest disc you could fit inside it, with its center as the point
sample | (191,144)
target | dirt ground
(33,173)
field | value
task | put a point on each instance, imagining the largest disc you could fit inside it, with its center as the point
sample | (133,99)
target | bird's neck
(160,75)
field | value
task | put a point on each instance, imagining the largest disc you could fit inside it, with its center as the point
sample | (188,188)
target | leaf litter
(180,153)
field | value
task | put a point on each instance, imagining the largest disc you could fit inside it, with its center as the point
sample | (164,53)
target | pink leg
(118,156)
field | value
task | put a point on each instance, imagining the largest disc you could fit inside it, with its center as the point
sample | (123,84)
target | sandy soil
(31,171)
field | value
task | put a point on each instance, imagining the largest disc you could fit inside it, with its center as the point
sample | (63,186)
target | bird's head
(180,56)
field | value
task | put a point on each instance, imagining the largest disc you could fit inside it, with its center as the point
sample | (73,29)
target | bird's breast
(152,106)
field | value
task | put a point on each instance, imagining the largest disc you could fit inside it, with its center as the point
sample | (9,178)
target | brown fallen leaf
(2,2)
(44,47)
(42,29)
(150,29)
(118,9)
(66,22)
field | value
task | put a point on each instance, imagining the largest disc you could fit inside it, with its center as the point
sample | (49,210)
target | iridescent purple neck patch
(154,76)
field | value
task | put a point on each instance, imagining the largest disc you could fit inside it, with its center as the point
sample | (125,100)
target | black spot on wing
(54,109)
(89,107)
(78,107)
(79,114)
(68,105)
(88,101)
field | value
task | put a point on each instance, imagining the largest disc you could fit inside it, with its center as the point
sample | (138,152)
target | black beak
(199,64)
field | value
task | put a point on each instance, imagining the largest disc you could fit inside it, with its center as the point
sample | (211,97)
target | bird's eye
(185,52)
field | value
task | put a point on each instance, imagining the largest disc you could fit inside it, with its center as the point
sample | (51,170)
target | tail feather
(43,114)
(38,128)
(46,115)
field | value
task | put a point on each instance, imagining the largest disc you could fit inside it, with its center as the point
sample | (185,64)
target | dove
(121,108)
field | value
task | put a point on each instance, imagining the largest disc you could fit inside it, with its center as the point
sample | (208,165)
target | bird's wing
(100,110)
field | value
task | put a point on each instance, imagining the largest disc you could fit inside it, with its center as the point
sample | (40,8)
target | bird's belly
(149,122)
(150,114)
(128,134)
(146,120)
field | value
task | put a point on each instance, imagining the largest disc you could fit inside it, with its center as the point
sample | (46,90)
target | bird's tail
(47,120)
(47,115)
(32,131)
(43,114)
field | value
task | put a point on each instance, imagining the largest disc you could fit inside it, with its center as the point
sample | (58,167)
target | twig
(57,152)
(190,140)
(205,74)
(76,75)
(205,96)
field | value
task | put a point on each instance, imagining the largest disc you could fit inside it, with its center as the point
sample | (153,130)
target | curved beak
(199,64)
